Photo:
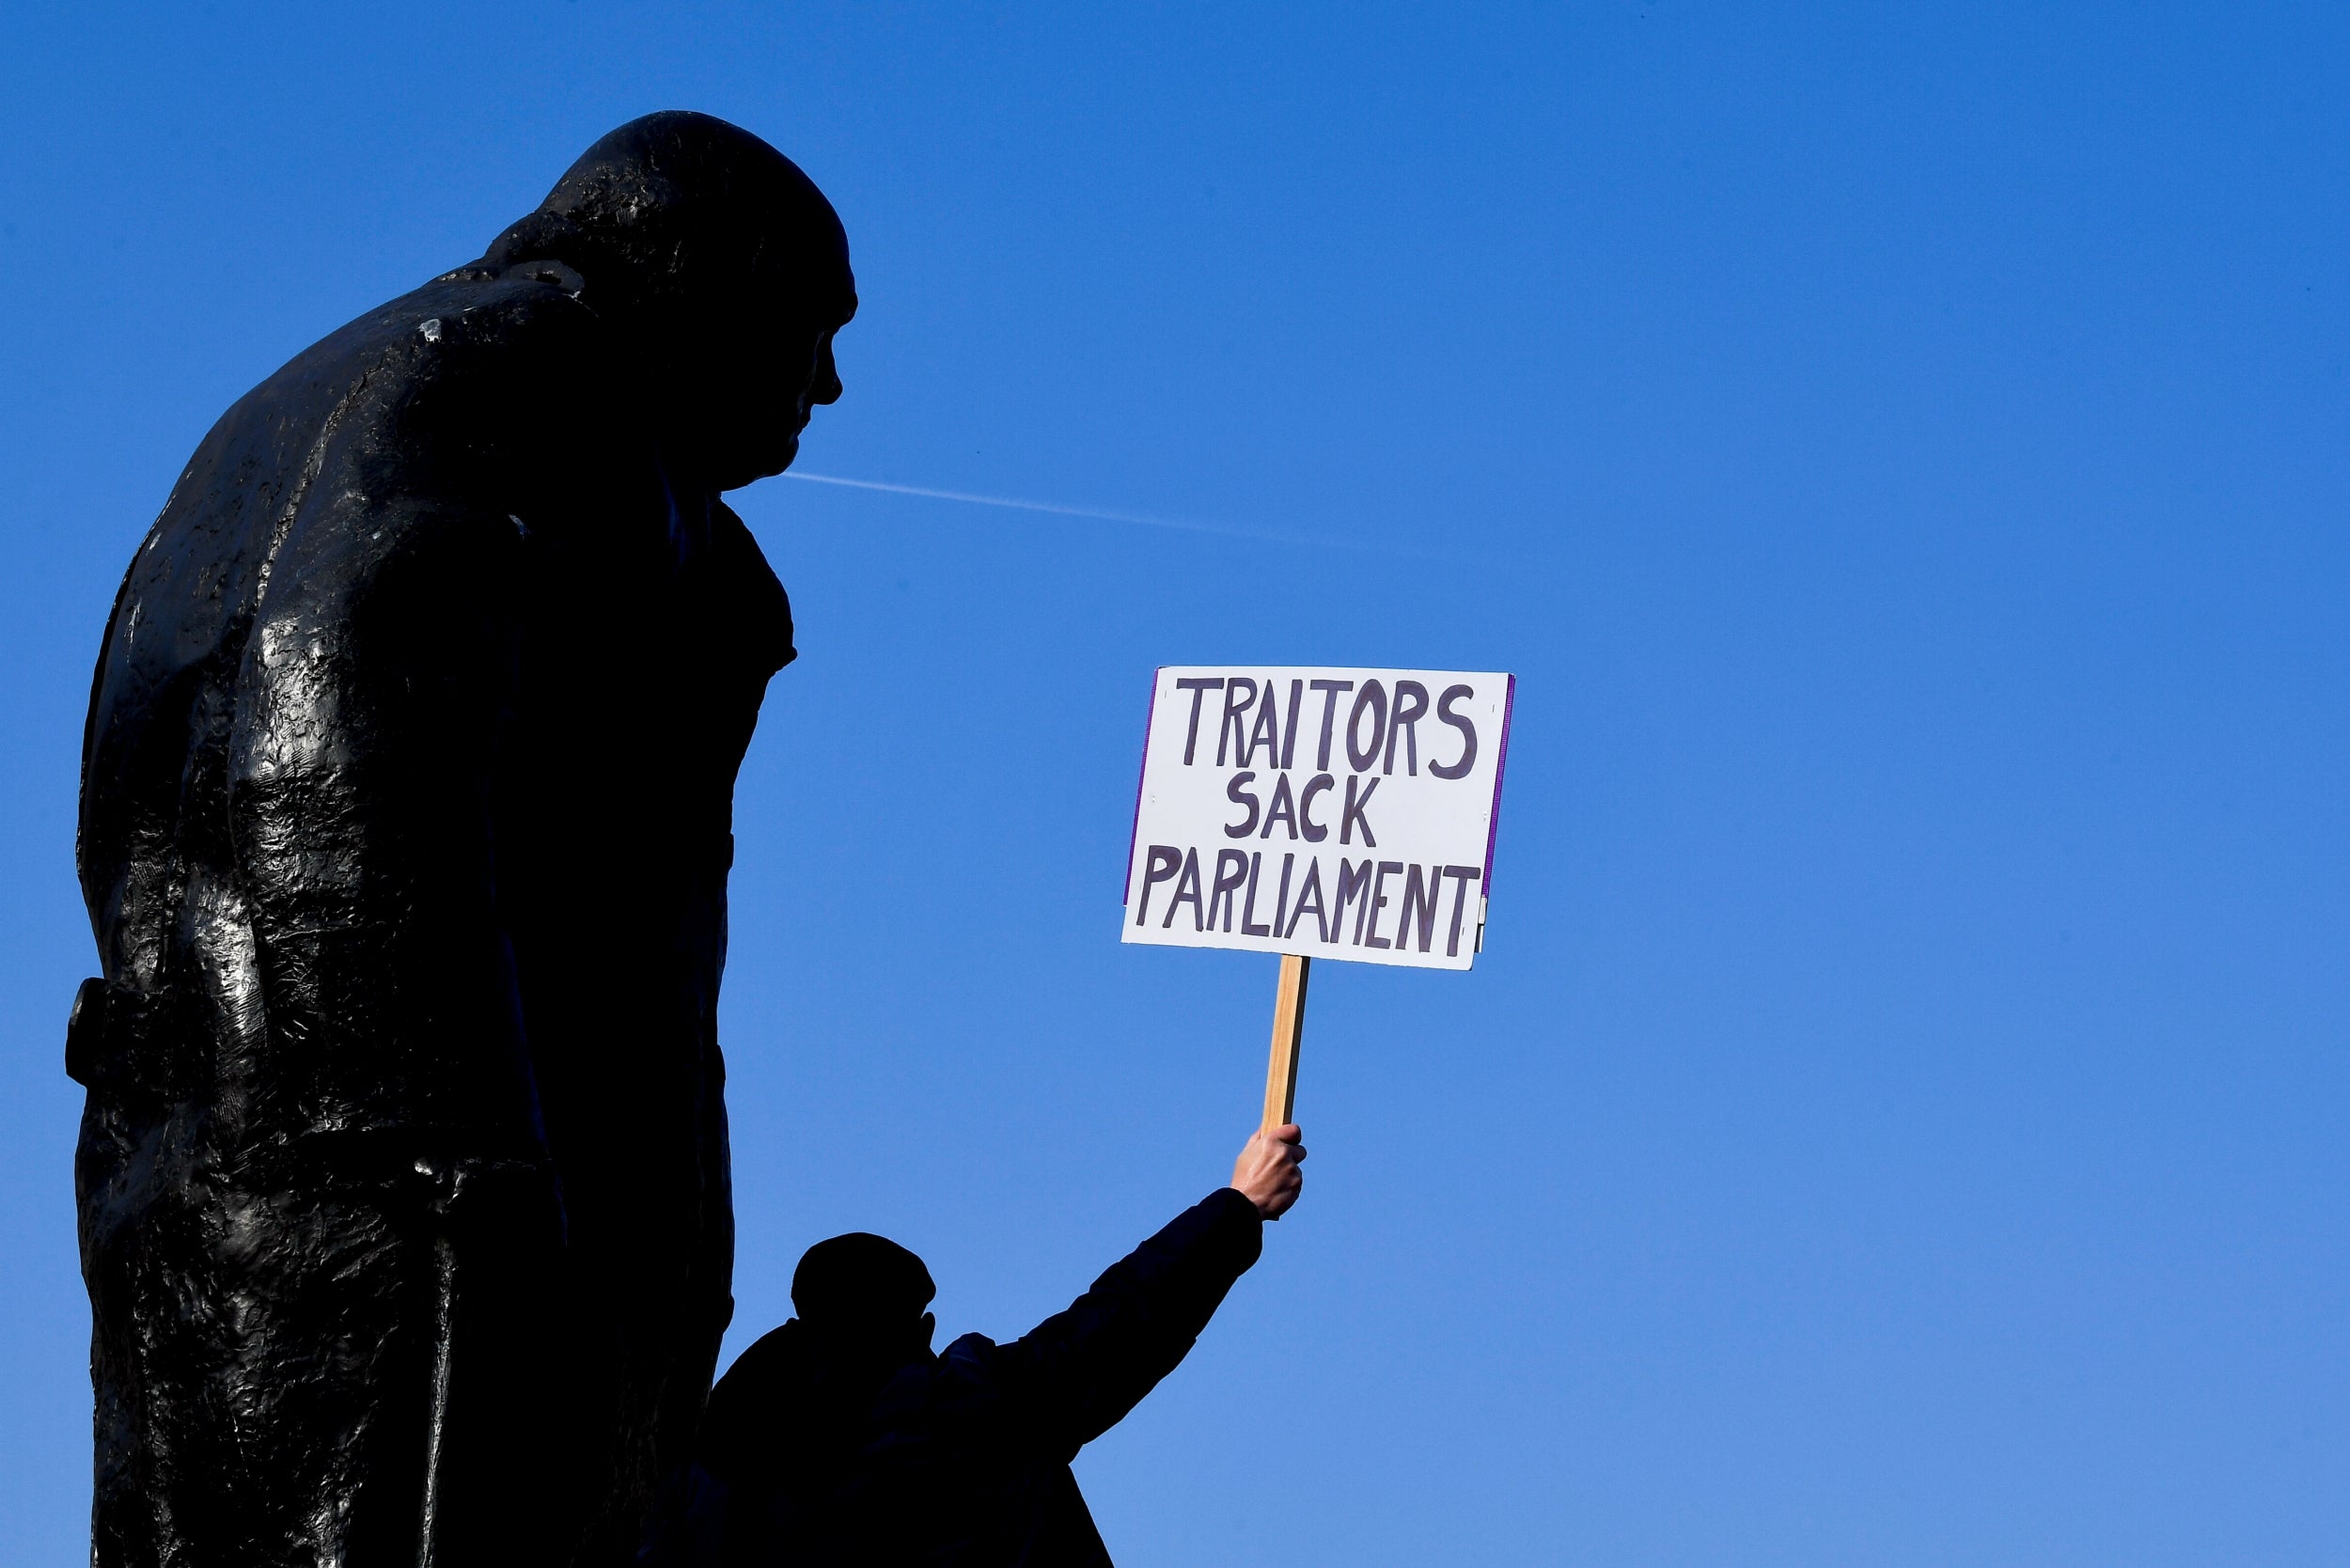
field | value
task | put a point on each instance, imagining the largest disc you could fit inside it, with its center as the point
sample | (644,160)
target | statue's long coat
(405,828)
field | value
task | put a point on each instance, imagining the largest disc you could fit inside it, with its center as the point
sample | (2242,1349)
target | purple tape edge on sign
(1134,828)
(1493,823)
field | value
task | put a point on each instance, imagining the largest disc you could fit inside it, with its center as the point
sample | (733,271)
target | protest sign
(1289,810)
(1329,813)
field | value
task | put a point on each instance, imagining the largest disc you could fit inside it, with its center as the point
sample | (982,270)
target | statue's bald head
(722,259)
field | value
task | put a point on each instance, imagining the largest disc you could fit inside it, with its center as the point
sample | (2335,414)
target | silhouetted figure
(406,802)
(840,1440)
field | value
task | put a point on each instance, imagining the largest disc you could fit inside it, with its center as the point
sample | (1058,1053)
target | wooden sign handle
(1288,1027)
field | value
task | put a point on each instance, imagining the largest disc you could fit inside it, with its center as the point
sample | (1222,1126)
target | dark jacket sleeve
(1079,1372)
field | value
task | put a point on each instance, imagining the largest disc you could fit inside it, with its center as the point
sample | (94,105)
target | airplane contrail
(1096,513)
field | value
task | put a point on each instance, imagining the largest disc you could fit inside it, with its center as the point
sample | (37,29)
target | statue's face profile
(774,378)
(822,387)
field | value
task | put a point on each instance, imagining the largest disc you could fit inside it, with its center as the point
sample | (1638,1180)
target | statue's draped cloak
(405,830)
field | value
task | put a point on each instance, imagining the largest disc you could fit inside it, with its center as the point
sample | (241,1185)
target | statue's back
(404,833)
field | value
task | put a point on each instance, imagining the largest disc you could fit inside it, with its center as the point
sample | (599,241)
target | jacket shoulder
(478,320)
(971,1353)
(455,358)
(502,403)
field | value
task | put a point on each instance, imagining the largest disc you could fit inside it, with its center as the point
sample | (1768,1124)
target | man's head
(867,1293)
(728,266)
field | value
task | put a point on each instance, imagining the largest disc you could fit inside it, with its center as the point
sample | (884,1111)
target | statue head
(726,268)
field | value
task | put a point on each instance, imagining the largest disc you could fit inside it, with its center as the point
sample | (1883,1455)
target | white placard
(1337,813)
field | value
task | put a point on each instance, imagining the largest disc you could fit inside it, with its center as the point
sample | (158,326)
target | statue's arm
(374,703)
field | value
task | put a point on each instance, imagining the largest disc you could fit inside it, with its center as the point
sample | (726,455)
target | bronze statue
(407,791)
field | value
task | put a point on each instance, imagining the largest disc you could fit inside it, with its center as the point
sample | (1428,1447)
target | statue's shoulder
(446,355)
(490,331)
(478,388)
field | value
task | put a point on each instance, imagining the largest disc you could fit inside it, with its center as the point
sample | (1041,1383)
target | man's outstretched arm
(1080,1371)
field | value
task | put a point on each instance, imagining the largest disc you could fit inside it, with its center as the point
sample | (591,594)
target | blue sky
(1898,1116)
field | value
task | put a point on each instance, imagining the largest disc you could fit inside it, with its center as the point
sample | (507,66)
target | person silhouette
(839,1439)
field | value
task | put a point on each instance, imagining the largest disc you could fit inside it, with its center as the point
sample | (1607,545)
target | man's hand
(1266,1172)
